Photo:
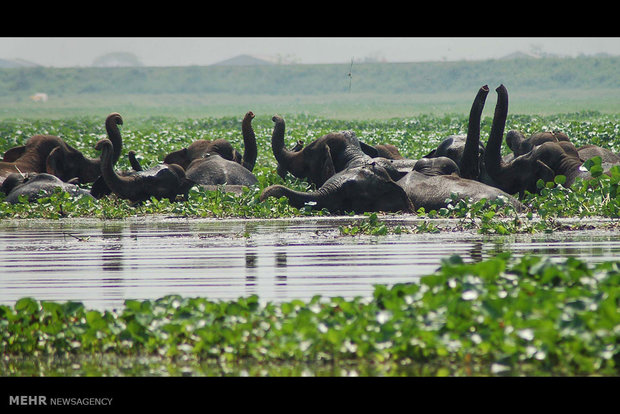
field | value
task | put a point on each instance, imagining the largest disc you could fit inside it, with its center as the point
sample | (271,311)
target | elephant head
(66,162)
(329,154)
(314,162)
(299,145)
(360,189)
(223,147)
(523,172)
(163,181)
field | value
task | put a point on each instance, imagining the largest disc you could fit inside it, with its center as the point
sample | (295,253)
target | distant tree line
(421,77)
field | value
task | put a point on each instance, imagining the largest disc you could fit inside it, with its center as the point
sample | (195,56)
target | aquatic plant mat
(504,316)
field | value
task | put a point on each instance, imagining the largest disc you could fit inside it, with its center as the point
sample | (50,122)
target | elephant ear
(322,165)
(544,172)
(14,153)
(328,168)
(180,157)
(369,150)
(55,163)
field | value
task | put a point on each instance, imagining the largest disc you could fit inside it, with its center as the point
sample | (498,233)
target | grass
(351,106)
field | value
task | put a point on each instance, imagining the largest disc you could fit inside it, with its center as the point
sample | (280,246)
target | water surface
(103,263)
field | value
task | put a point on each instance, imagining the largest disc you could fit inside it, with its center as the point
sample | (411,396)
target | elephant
(331,153)
(100,189)
(161,181)
(299,145)
(388,151)
(36,185)
(214,169)
(224,148)
(608,157)
(360,188)
(544,161)
(520,145)
(434,180)
(52,155)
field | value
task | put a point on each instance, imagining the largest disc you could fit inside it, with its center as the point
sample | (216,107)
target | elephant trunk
(492,155)
(90,169)
(114,135)
(280,152)
(249,142)
(470,166)
(297,199)
(121,186)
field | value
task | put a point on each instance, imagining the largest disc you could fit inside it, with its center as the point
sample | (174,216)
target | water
(103,263)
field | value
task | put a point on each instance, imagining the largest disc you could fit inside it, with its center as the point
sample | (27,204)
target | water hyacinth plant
(154,137)
(502,316)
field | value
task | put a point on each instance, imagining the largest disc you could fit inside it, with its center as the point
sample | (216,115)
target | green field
(374,91)
(346,106)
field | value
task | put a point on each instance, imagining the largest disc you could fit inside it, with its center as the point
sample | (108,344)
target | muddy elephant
(327,155)
(36,185)
(224,148)
(161,181)
(51,154)
(542,162)
(361,188)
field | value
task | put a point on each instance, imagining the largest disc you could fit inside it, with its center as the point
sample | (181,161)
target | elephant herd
(348,174)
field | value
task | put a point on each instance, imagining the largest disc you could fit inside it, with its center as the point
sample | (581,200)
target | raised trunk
(249,142)
(282,155)
(470,165)
(121,186)
(90,168)
(492,155)
(114,135)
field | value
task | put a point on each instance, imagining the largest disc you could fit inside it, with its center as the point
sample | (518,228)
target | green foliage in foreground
(502,316)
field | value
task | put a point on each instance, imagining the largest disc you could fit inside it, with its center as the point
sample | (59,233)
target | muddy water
(103,263)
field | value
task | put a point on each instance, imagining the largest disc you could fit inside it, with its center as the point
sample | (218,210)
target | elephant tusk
(19,171)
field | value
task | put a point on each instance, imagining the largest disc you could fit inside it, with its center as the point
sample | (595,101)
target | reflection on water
(102,264)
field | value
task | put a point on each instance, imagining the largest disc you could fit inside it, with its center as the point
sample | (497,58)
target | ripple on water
(103,264)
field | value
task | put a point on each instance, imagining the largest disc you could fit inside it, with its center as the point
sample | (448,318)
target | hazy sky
(181,51)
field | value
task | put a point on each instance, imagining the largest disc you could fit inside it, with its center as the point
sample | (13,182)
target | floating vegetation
(503,316)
